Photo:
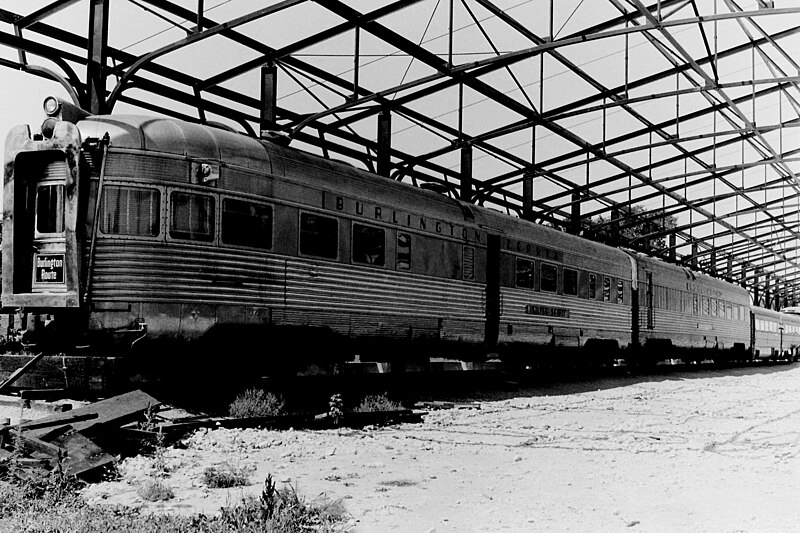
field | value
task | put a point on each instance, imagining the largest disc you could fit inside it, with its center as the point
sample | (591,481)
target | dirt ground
(708,451)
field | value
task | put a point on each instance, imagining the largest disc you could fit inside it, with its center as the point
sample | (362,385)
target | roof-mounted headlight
(62,110)
(51,106)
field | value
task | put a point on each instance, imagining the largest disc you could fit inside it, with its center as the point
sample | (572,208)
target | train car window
(549,278)
(192,216)
(592,286)
(570,282)
(620,291)
(525,273)
(403,261)
(369,245)
(246,223)
(695,305)
(606,289)
(676,300)
(469,263)
(705,305)
(130,211)
(319,236)
(50,209)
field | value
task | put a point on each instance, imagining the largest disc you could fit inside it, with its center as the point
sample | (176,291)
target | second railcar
(688,315)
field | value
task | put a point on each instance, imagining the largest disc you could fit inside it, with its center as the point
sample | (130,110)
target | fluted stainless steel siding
(128,271)
(583,314)
(697,331)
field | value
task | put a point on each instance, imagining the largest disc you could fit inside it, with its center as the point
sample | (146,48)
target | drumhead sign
(49,268)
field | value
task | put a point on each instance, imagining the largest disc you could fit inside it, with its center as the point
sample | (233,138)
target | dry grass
(51,503)
(256,402)
(153,490)
(377,403)
(225,476)
(398,483)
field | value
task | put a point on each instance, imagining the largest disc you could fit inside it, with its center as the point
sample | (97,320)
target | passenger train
(137,234)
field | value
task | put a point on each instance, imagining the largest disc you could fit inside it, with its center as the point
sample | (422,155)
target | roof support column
(95,68)
(755,290)
(466,173)
(694,255)
(384,141)
(673,253)
(575,214)
(527,195)
(713,265)
(269,95)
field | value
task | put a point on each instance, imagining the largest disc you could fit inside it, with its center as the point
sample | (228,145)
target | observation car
(139,234)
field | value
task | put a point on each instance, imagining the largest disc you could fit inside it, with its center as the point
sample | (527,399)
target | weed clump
(225,476)
(336,408)
(256,402)
(284,511)
(153,490)
(377,403)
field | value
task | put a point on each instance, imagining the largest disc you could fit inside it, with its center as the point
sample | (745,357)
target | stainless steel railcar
(775,335)
(203,234)
(692,316)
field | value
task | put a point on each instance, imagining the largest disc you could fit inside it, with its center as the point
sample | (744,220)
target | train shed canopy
(668,126)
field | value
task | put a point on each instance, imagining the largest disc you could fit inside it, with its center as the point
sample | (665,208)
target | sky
(27,94)
(139,32)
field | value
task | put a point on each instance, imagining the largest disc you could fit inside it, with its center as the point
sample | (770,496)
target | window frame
(353,261)
(52,234)
(162,223)
(397,260)
(517,260)
(338,221)
(168,216)
(564,282)
(540,277)
(260,203)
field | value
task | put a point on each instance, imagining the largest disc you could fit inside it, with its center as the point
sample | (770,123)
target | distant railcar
(136,234)
(791,335)
(775,335)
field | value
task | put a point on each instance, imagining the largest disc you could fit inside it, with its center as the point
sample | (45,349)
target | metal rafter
(729,183)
